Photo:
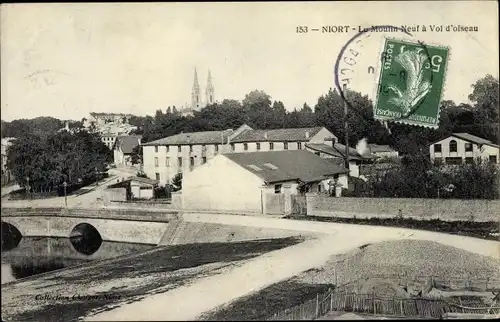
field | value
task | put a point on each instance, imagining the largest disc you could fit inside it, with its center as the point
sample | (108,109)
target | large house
(122,151)
(164,158)
(458,148)
(259,182)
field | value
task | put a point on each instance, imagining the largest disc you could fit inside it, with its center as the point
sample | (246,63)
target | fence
(376,305)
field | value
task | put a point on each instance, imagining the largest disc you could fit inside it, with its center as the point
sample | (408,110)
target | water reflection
(36,255)
(11,236)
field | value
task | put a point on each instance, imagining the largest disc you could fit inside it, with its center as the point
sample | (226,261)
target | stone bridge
(115,225)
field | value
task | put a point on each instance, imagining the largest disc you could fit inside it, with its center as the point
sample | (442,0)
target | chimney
(265,135)
(307,134)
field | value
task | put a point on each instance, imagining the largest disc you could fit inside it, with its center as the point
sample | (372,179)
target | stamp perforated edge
(376,88)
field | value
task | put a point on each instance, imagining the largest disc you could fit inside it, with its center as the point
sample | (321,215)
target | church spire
(195,94)
(209,91)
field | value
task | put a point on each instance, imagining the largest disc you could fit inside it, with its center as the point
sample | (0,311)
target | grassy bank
(485,230)
(69,294)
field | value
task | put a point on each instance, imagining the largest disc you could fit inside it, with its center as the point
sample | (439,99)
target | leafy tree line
(50,159)
(259,111)
(39,126)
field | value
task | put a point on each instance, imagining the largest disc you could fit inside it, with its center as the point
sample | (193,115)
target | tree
(136,155)
(49,160)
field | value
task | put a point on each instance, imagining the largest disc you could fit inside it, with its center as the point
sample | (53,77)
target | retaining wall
(444,209)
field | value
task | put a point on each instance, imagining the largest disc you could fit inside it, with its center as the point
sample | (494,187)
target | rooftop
(293,134)
(339,151)
(374,148)
(473,138)
(288,165)
(207,137)
(109,114)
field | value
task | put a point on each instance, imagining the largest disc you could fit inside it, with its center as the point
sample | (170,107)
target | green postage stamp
(411,83)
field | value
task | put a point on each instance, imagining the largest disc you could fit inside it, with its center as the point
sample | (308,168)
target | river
(37,255)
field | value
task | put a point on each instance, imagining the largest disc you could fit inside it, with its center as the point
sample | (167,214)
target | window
(156,161)
(157,176)
(437,148)
(438,161)
(191,161)
(156,148)
(299,145)
(204,160)
(232,147)
(285,145)
(493,159)
(468,147)
(190,148)
(469,160)
(179,162)
(319,187)
(258,145)
(453,146)
(245,146)
(277,188)
(216,148)
(454,160)
(271,146)
(317,153)
(168,148)
(179,148)
(167,162)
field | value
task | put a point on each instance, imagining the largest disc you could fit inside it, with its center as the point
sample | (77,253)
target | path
(188,302)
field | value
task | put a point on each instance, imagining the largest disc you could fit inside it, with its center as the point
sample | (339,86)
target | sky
(67,60)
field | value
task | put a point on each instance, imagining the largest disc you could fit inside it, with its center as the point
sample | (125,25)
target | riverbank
(67,295)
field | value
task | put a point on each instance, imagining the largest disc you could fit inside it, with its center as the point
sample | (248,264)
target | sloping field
(410,260)
(383,268)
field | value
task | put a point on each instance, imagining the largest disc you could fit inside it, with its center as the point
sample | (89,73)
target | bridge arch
(11,236)
(85,238)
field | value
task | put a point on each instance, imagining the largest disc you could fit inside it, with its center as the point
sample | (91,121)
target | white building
(259,182)
(164,158)
(459,148)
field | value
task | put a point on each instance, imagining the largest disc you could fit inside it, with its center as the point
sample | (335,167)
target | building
(122,149)
(99,119)
(197,100)
(130,189)
(164,158)
(383,151)
(330,148)
(259,182)
(109,126)
(458,148)
(6,173)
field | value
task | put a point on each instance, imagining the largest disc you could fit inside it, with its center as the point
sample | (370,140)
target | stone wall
(444,209)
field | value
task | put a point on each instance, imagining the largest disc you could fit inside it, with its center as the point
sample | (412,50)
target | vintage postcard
(250,161)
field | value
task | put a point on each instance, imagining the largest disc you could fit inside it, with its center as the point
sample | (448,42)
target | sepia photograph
(251,160)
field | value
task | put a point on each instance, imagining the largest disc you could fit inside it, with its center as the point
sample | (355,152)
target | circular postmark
(404,86)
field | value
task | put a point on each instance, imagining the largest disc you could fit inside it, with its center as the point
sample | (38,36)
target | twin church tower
(196,101)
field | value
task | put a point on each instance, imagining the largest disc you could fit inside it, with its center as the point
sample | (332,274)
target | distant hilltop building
(110,126)
(197,101)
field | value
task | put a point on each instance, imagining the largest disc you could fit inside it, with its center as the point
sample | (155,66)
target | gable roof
(286,165)
(374,148)
(338,151)
(142,180)
(469,138)
(293,134)
(207,137)
(127,143)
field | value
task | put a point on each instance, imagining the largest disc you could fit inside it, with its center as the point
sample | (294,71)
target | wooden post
(317,305)
(331,300)
(374,308)
(401,306)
